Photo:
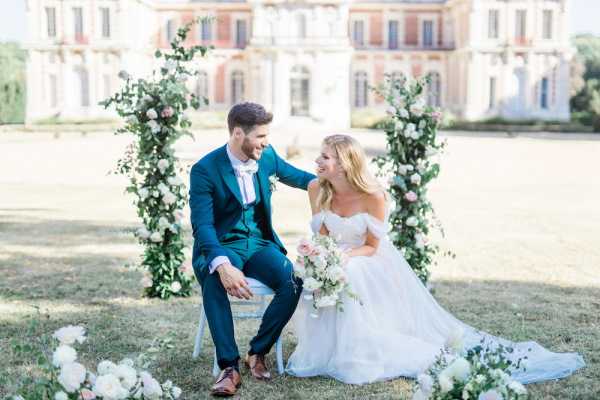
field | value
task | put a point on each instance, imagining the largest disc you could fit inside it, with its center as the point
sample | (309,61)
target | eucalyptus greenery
(411,134)
(155,113)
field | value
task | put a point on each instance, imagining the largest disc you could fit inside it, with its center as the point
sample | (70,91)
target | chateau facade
(311,59)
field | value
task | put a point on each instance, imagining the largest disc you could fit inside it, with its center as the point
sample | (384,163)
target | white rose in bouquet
(311,284)
(106,367)
(154,126)
(490,395)
(403,113)
(151,114)
(163,223)
(175,287)
(446,383)
(425,383)
(61,396)
(156,237)
(127,375)
(460,369)
(150,386)
(144,193)
(169,198)
(326,301)
(412,221)
(162,165)
(415,178)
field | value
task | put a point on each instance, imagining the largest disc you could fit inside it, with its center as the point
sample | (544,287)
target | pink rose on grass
(411,196)
(305,247)
(167,112)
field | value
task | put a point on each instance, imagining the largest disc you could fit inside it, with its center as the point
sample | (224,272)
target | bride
(400,328)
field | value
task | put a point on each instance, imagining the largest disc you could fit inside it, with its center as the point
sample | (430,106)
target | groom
(230,201)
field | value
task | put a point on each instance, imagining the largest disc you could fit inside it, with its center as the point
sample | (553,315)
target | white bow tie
(249,168)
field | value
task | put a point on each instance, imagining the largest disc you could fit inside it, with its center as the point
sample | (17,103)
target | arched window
(201,90)
(434,90)
(361,89)
(237,87)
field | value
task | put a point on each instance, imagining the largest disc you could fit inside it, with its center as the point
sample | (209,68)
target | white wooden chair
(260,291)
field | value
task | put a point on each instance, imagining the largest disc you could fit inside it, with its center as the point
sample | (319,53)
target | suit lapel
(226,170)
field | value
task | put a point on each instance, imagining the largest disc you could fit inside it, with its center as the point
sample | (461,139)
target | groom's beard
(250,150)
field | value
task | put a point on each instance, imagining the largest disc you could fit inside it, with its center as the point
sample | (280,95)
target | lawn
(520,213)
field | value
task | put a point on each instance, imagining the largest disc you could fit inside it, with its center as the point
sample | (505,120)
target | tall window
(84,86)
(493,24)
(105,14)
(53,88)
(107,85)
(360,89)
(434,89)
(51,21)
(544,94)
(78,21)
(393,34)
(520,25)
(170,30)
(547,21)
(492,100)
(358,32)
(240,33)
(301,25)
(237,87)
(206,30)
(202,87)
(428,33)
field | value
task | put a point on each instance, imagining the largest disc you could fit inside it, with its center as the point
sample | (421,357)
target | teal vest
(252,223)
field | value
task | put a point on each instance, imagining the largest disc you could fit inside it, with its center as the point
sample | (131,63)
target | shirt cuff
(216,262)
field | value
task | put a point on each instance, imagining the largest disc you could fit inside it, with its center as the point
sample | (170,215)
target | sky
(584,18)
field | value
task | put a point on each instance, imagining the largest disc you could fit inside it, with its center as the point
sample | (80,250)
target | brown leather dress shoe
(227,384)
(258,367)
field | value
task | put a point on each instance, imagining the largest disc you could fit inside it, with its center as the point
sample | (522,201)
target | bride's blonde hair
(353,161)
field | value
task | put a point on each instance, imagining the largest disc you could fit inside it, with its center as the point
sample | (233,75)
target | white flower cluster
(319,264)
(471,375)
(112,382)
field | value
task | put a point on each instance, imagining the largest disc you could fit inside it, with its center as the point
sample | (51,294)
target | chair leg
(199,333)
(279,355)
(216,370)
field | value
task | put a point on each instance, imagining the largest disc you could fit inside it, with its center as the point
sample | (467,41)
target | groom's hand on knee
(234,281)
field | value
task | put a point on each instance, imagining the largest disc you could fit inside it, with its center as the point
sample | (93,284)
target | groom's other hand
(234,281)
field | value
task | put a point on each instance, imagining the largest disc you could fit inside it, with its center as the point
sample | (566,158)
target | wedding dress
(399,329)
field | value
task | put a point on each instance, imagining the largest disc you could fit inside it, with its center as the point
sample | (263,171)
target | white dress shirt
(244,173)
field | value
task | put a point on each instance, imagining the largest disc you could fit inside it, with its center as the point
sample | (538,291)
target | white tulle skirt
(397,331)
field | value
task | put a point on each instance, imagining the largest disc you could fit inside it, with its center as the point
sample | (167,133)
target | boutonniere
(273,179)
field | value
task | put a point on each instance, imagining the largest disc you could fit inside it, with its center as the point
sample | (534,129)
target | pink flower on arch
(411,196)
(167,112)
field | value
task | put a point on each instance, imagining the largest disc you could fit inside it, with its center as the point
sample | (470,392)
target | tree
(12,83)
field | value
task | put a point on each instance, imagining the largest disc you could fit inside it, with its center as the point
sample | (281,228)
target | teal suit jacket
(216,202)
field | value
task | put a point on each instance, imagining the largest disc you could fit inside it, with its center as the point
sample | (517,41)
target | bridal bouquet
(67,379)
(319,264)
(482,373)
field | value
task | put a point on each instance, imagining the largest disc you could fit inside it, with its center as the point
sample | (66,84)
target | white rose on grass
(517,387)
(71,376)
(167,385)
(109,388)
(425,383)
(460,369)
(151,113)
(169,198)
(61,396)
(143,233)
(176,392)
(150,387)
(70,334)
(175,287)
(106,367)
(156,237)
(412,221)
(127,375)
(311,284)
(415,178)
(63,354)
(491,394)
(154,126)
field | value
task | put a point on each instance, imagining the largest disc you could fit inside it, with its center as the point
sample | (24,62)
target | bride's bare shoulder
(313,193)
(375,203)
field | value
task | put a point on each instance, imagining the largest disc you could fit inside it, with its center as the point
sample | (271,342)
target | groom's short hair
(247,115)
